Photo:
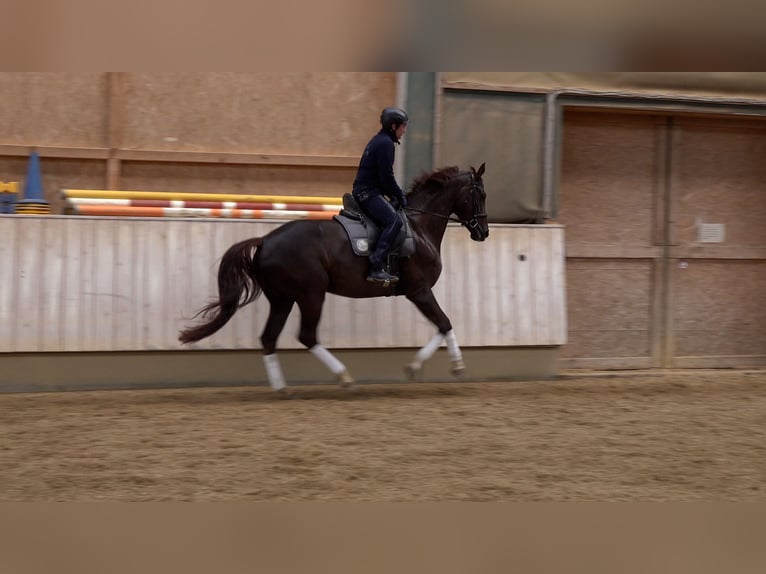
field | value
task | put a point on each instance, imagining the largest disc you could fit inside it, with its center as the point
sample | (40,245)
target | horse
(301,261)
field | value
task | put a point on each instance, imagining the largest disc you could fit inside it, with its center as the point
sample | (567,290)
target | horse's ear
(481,170)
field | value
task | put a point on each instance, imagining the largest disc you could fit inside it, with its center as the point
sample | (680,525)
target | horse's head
(471,205)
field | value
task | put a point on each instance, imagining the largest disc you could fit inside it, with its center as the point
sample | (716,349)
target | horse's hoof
(458,368)
(284,393)
(412,371)
(345,380)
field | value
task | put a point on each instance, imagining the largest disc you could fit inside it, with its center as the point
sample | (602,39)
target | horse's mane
(435,178)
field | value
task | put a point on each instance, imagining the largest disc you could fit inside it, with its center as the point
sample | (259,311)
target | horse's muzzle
(478,234)
(476,230)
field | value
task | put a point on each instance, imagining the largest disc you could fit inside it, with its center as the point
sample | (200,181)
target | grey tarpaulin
(505,131)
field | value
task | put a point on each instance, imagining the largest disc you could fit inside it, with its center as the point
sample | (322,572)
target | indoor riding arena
(612,325)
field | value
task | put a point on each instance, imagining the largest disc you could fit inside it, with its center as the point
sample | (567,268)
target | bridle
(470,224)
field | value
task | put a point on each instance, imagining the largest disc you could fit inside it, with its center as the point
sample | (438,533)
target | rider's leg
(382,213)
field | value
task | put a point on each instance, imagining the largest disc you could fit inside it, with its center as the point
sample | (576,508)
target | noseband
(470,224)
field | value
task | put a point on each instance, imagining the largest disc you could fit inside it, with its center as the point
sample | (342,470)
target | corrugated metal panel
(89,284)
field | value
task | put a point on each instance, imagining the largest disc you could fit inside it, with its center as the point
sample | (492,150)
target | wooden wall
(287,133)
(54,109)
(83,284)
(638,184)
(635,191)
(308,113)
(643,289)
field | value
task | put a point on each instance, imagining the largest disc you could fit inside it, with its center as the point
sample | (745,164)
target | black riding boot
(379,274)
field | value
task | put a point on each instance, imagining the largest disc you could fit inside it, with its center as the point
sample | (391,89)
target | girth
(363,232)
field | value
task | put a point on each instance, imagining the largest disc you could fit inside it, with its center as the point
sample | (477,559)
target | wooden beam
(617,251)
(14,150)
(238,158)
(169,156)
(669,263)
(113,173)
(710,251)
(661,213)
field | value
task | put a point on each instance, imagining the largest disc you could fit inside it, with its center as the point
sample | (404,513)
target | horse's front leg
(426,303)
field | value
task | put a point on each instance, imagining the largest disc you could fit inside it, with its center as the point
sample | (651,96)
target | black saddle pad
(363,232)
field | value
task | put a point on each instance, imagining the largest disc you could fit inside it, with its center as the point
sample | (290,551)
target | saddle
(363,232)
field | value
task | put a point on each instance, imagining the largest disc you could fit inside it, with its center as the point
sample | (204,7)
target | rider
(377,192)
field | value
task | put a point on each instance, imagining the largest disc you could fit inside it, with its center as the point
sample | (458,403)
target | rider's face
(400,131)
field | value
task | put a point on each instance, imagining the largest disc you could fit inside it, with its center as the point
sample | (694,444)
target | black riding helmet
(391,116)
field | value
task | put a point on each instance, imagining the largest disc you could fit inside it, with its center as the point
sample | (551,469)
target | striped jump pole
(190,196)
(79,201)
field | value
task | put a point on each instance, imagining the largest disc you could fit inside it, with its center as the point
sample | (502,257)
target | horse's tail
(237,286)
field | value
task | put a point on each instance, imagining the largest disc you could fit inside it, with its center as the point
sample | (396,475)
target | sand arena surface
(648,437)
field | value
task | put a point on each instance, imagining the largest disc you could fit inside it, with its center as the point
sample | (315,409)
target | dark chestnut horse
(301,261)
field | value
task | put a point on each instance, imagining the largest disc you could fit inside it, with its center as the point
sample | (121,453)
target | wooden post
(672,260)
(115,126)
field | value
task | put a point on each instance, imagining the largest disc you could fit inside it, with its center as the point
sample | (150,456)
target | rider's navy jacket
(376,168)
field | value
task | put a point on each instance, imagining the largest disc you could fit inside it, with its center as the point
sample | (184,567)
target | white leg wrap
(335,366)
(428,350)
(452,348)
(274,372)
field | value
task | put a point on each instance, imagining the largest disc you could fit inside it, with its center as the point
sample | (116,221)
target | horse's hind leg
(311,312)
(278,314)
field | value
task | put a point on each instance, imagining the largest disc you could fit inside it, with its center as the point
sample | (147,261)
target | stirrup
(381,276)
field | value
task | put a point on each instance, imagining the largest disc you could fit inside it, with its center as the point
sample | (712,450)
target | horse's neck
(432,226)
(441,201)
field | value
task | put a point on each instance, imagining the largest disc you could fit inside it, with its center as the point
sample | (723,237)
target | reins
(447,217)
